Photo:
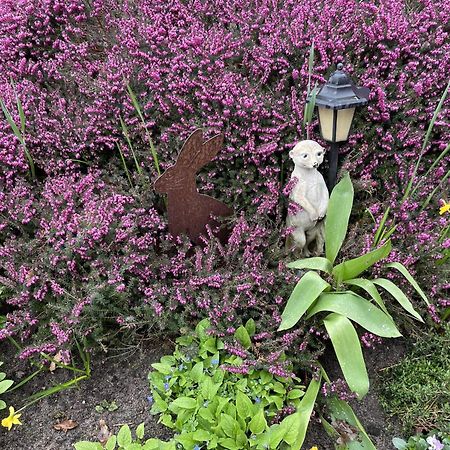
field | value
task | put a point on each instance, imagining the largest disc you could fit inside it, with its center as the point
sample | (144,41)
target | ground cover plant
(211,399)
(98,95)
(416,390)
(434,441)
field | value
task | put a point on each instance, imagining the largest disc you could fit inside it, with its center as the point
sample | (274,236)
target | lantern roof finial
(339,92)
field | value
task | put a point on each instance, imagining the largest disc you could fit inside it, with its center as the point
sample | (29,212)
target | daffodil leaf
(404,271)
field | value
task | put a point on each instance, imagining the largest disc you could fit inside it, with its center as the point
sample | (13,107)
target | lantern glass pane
(326,123)
(344,122)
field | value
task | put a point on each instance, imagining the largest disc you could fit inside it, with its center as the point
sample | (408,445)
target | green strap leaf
(353,267)
(341,410)
(338,214)
(19,136)
(404,271)
(371,289)
(398,295)
(316,263)
(310,286)
(381,227)
(11,122)
(296,424)
(347,347)
(357,309)
(424,144)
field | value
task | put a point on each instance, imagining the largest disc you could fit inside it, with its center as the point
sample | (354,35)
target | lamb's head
(307,154)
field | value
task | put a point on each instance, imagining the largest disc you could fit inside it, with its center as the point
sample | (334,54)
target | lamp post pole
(333,165)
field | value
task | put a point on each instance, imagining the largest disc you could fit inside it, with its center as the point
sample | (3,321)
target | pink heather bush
(82,254)
(81,257)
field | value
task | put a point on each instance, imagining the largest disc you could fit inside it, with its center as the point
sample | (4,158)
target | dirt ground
(123,378)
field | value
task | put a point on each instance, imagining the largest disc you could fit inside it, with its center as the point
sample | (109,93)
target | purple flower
(434,443)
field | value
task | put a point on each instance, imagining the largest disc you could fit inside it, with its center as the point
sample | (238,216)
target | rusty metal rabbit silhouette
(189,211)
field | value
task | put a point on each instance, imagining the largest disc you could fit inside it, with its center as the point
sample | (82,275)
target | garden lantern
(336,101)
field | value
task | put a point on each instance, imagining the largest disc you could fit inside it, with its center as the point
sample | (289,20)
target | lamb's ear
(291,154)
(191,148)
(209,151)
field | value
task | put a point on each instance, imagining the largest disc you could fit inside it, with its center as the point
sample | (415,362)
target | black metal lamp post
(336,102)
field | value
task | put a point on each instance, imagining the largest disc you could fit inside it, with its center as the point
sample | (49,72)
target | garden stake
(190,212)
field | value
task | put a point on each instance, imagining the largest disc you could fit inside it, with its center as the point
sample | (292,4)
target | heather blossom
(96,241)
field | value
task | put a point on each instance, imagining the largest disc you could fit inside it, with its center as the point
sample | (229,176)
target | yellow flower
(12,419)
(314,448)
(444,208)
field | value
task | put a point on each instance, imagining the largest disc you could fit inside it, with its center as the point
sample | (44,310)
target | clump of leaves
(124,441)
(434,441)
(104,405)
(5,384)
(417,390)
(228,409)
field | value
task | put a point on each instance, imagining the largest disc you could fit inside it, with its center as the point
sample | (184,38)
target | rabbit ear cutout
(191,148)
(209,151)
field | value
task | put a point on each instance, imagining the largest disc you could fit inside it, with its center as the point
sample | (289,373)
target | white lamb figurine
(311,193)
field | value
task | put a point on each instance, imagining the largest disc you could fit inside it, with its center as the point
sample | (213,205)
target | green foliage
(409,191)
(104,405)
(341,295)
(214,408)
(5,384)
(125,441)
(343,418)
(421,442)
(417,390)
(137,107)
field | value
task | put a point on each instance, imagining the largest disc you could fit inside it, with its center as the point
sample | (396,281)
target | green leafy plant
(341,424)
(79,375)
(417,389)
(434,441)
(124,441)
(104,405)
(5,384)
(138,109)
(340,294)
(410,191)
(215,408)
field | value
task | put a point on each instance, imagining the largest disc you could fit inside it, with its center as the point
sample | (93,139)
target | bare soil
(123,378)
